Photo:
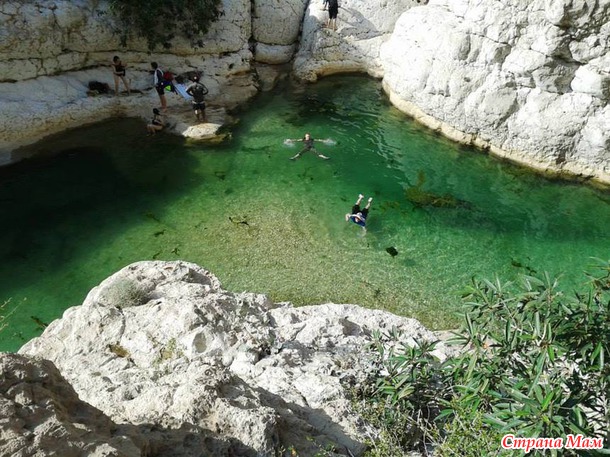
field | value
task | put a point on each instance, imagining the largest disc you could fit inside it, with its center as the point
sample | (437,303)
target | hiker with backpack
(198,91)
(160,84)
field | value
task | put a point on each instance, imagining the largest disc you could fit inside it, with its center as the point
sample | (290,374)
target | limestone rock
(161,343)
(274,54)
(526,80)
(362,26)
(41,414)
(277,22)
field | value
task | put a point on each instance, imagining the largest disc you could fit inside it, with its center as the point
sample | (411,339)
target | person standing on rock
(333,11)
(118,71)
(307,146)
(198,91)
(158,82)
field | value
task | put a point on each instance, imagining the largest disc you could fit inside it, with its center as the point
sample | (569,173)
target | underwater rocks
(161,346)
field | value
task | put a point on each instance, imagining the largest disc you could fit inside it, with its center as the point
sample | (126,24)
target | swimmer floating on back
(308,146)
(358,215)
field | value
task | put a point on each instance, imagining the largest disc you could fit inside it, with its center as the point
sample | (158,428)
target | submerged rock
(392,251)
(161,344)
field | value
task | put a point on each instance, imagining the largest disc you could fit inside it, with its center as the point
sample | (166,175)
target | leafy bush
(159,21)
(533,365)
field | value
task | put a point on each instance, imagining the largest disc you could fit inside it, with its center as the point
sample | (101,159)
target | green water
(106,196)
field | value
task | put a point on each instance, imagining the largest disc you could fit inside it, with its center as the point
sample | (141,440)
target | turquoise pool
(104,196)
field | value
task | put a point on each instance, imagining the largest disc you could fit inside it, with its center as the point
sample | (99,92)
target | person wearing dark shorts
(156,123)
(358,215)
(198,91)
(333,11)
(307,146)
(159,84)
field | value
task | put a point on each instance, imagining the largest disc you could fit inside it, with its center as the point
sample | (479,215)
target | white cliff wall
(362,27)
(50,50)
(529,80)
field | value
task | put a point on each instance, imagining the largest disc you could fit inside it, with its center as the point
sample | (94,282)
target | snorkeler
(307,146)
(358,216)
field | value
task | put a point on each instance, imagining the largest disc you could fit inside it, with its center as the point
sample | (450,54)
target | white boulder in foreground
(161,346)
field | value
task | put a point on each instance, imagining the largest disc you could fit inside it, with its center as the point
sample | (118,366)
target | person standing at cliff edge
(198,91)
(333,11)
(158,83)
(118,71)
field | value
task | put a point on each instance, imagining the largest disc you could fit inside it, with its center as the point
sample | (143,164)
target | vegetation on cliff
(159,21)
(534,366)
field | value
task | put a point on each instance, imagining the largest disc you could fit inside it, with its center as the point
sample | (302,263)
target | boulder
(41,414)
(161,343)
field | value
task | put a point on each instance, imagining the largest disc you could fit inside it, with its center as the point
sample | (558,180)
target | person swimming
(307,146)
(358,215)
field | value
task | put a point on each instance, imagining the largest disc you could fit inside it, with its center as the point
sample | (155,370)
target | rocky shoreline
(160,360)
(527,81)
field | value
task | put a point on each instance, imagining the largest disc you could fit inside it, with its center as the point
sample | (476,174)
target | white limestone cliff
(162,345)
(362,26)
(526,80)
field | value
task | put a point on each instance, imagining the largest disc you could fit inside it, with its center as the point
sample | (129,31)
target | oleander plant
(533,364)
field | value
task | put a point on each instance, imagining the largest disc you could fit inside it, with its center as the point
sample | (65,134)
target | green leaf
(547,399)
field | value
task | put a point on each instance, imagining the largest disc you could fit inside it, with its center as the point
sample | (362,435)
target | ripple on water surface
(266,224)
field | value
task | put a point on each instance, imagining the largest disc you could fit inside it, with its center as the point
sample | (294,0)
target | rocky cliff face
(162,347)
(50,50)
(526,80)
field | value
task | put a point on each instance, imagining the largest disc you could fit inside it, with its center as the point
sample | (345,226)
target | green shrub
(533,365)
(159,21)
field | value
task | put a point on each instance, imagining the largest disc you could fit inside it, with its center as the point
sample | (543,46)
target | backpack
(199,91)
(159,76)
(164,80)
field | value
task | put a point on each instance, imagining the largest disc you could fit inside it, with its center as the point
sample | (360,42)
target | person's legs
(298,154)
(322,156)
(124,79)
(368,204)
(332,17)
(116,84)
(163,102)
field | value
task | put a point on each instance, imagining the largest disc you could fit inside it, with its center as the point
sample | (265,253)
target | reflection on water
(441,213)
